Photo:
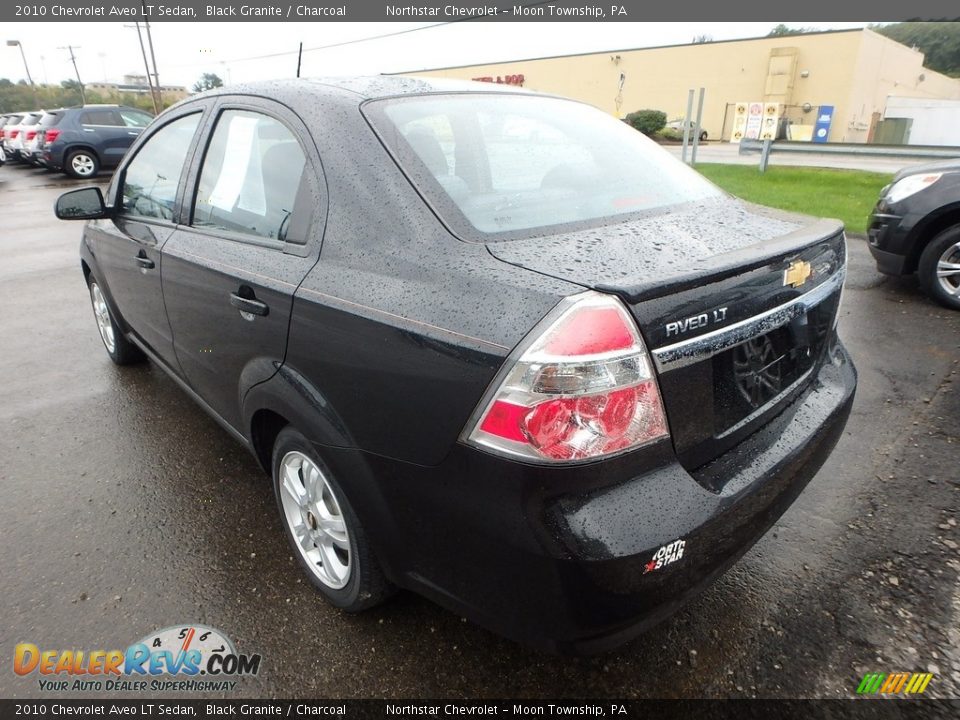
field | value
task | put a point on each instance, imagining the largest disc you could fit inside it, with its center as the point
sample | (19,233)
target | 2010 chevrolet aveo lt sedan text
(492,346)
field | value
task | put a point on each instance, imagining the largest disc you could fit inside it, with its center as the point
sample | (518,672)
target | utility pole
(146,65)
(153,58)
(83,96)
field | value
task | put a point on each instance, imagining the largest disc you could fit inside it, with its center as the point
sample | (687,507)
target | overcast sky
(184,51)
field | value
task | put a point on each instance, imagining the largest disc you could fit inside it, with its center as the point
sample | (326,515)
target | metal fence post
(696,129)
(686,125)
(765,155)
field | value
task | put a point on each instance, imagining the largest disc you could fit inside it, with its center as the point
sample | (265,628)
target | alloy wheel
(313,516)
(82,164)
(102,314)
(948,270)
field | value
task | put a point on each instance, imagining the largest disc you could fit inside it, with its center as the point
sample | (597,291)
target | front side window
(135,118)
(252,172)
(508,165)
(150,180)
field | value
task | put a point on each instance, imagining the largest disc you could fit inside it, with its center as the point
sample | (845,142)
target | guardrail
(765,147)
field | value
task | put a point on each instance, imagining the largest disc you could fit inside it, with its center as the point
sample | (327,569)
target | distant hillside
(938,41)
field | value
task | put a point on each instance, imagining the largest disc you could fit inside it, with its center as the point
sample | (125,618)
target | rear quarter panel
(400,327)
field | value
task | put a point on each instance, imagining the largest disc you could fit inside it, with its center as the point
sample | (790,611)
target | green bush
(670,134)
(647,121)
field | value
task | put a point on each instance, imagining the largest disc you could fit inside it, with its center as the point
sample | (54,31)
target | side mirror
(83,204)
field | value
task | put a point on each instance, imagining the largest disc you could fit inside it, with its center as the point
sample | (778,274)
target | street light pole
(17,43)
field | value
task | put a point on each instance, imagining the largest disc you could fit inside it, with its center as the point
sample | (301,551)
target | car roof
(360,88)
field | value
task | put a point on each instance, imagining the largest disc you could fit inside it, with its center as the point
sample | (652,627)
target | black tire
(945,246)
(81,164)
(366,585)
(703,135)
(123,351)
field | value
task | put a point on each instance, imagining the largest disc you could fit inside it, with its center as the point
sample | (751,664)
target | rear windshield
(31,119)
(507,165)
(14,119)
(50,119)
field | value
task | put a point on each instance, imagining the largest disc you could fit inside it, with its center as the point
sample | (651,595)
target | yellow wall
(888,68)
(852,70)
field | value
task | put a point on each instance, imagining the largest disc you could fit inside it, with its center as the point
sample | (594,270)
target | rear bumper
(560,558)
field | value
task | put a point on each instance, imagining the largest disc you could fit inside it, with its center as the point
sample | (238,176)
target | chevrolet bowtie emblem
(797,274)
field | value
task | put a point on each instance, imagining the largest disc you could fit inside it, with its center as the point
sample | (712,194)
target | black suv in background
(915,227)
(82,140)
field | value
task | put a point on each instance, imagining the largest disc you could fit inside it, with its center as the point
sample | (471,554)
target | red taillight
(581,386)
(13,134)
(50,135)
(31,134)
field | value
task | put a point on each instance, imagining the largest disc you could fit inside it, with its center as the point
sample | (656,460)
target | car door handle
(132,132)
(248,305)
(145,262)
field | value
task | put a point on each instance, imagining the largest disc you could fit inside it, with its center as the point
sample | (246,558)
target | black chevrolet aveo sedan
(494,347)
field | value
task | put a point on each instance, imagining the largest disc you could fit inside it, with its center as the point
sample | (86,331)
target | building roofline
(633,49)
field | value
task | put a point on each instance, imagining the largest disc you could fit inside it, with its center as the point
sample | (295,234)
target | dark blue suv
(82,140)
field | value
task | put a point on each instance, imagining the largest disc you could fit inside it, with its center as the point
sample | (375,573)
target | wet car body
(391,322)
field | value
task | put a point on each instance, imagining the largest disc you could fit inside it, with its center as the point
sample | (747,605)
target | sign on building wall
(821,131)
(739,122)
(771,120)
(755,121)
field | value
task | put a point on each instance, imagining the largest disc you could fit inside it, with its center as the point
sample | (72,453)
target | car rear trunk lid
(736,303)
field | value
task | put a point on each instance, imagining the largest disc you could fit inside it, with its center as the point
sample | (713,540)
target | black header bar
(467,10)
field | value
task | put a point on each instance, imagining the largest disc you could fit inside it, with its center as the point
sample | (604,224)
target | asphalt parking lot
(126,509)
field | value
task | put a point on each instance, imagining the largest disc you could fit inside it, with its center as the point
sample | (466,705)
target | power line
(357,40)
(324,47)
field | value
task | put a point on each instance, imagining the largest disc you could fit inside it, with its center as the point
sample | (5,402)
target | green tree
(207,81)
(938,41)
(782,30)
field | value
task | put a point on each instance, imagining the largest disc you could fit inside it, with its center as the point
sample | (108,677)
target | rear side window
(513,166)
(150,180)
(99,117)
(50,119)
(252,173)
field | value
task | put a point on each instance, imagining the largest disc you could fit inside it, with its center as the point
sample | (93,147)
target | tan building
(855,71)
(138,85)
